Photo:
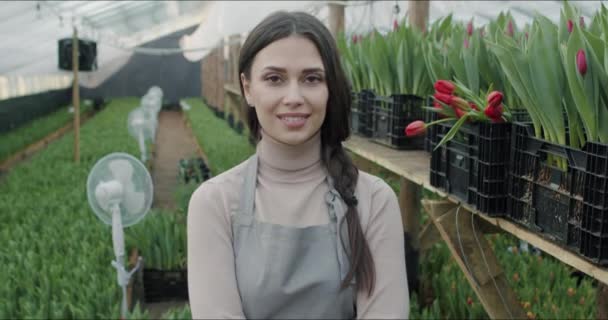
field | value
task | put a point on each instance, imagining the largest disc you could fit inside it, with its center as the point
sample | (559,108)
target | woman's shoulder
(219,190)
(371,184)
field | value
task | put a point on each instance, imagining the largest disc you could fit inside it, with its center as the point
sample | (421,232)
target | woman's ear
(246,89)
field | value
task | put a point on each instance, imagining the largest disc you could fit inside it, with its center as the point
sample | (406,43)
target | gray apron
(290,272)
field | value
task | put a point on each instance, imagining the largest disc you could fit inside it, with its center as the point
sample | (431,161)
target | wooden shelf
(415,166)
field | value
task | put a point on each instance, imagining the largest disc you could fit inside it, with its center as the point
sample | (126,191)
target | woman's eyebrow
(283,70)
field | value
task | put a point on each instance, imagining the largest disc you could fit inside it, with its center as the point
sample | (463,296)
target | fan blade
(133,202)
(122,171)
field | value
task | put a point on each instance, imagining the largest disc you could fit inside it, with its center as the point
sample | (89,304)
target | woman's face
(288,89)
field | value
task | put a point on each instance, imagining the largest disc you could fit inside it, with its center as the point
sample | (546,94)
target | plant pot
(165,285)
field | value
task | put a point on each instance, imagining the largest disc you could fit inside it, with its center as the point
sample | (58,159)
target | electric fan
(120,191)
(141,128)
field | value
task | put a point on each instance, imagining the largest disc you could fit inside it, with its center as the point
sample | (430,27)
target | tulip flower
(473,106)
(445,98)
(466,43)
(470,28)
(395,24)
(415,128)
(459,103)
(495,98)
(354,38)
(494,112)
(570,26)
(459,113)
(510,31)
(581,22)
(581,62)
(444,86)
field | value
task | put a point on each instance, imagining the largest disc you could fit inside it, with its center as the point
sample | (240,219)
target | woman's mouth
(293,121)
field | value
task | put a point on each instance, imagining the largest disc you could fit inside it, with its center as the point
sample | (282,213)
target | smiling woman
(295,231)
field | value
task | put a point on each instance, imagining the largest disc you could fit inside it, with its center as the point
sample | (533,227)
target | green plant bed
(223,146)
(19,138)
(56,253)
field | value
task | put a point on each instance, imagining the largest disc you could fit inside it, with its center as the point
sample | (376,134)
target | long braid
(345,175)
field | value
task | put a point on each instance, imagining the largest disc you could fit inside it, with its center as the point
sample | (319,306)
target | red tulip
(494,98)
(581,62)
(444,86)
(459,113)
(473,106)
(510,31)
(459,103)
(570,26)
(445,98)
(466,43)
(581,21)
(470,28)
(415,128)
(354,38)
(494,112)
(395,24)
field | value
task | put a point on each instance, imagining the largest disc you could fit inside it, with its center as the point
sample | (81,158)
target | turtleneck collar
(284,157)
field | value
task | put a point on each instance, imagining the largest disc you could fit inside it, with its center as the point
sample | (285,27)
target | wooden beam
(418,13)
(336,19)
(475,257)
(76,96)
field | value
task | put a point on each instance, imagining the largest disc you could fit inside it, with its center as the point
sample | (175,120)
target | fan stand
(122,275)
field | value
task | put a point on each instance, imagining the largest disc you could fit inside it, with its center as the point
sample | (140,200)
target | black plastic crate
(165,285)
(473,166)
(544,195)
(362,112)
(390,117)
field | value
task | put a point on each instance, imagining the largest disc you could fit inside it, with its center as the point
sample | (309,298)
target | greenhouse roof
(30,29)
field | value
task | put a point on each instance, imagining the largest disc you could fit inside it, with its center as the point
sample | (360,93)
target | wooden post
(418,13)
(409,203)
(76,97)
(336,19)
(474,255)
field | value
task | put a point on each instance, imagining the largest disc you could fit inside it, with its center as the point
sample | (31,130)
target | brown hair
(283,24)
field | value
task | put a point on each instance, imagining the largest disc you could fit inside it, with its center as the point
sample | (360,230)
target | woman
(296,231)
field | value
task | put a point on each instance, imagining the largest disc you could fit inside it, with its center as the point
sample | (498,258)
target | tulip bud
(494,112)
(510,31)
(354,38)
(570,26)
(494,98)
(473,106)
(415,128)
(459,103)
(581,62)
(581,22)
(395,24)
(459,113)
(445,98)
(470,28)
(444,86)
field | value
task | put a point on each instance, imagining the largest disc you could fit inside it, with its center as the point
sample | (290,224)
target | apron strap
(244,212)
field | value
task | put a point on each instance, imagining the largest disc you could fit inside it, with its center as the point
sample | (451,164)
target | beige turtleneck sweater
(290,191)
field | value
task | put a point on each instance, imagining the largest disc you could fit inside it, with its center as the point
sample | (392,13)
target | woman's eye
(313,79)
(273,79)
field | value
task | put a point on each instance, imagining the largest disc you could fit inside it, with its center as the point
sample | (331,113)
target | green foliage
(160,239)
(56,253)
(21,137)
(223,152)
